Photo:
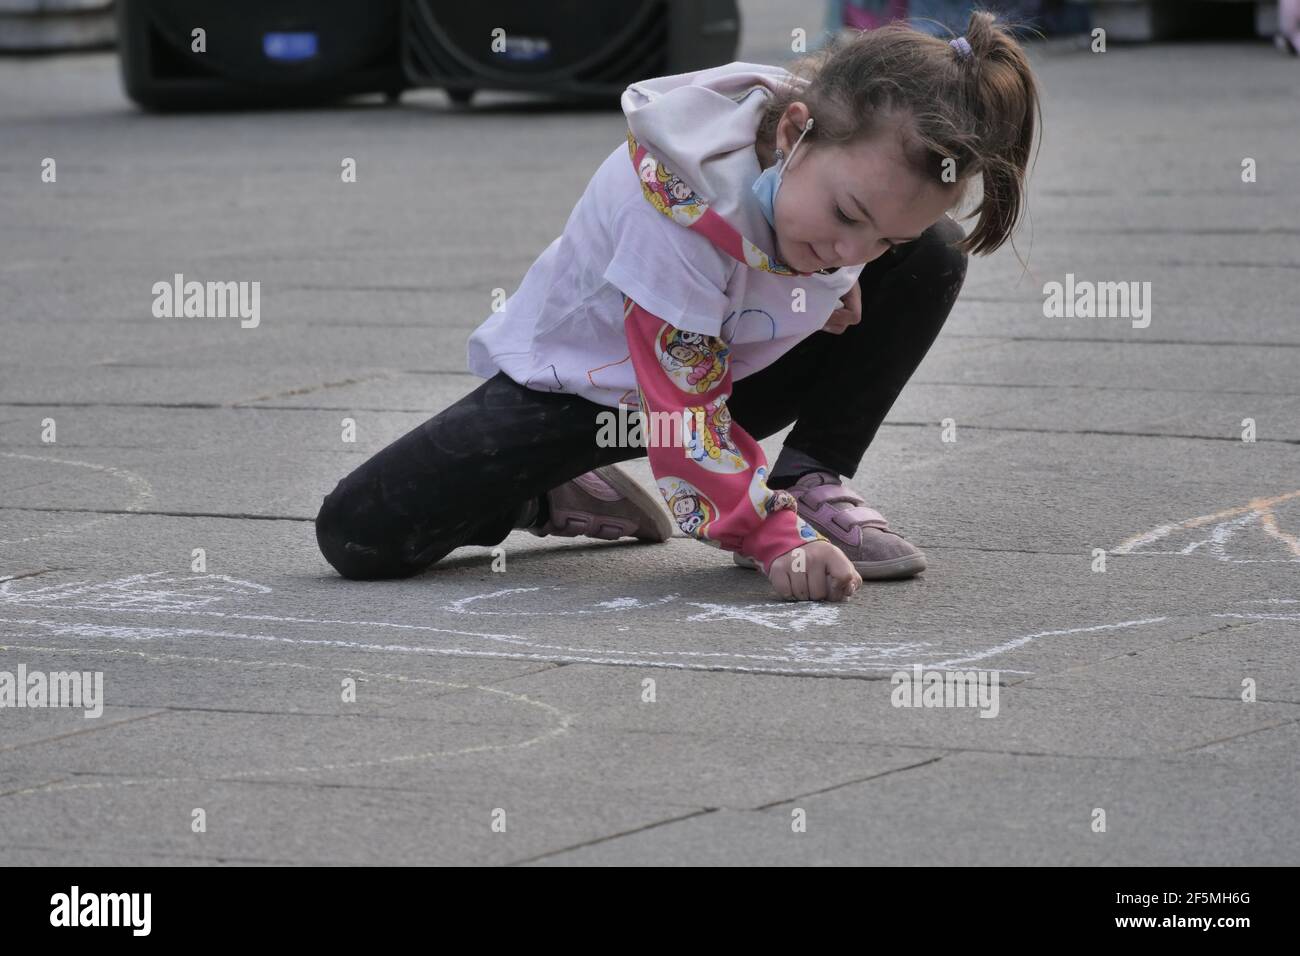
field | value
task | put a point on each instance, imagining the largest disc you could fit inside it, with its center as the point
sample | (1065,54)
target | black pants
(462,477)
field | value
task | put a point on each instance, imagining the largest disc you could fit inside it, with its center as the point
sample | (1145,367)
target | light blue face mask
(769,180)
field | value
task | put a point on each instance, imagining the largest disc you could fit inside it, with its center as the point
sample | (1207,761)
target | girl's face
(847,205)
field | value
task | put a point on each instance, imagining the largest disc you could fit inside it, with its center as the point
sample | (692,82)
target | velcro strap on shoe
(859,517)
(829,494)
(847,518)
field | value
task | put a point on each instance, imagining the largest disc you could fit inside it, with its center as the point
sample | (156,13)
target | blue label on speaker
(289,46)
(525,49)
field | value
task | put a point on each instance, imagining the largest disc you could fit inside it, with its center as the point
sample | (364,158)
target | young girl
(766,247)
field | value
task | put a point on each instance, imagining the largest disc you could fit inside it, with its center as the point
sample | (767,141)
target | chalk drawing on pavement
(180,606)
(1235,535)
(159,590)
(141,491)
(1286,610)
(559,722)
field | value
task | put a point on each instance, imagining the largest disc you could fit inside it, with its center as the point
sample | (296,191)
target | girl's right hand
(825,574)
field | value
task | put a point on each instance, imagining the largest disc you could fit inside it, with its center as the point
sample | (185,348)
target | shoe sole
(626,486)
(905,567)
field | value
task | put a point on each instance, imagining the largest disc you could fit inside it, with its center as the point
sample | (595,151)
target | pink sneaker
(837,511)
(608,504)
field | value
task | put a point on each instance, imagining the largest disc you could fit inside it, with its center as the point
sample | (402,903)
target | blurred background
(187,54)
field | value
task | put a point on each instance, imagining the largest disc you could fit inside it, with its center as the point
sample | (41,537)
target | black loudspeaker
(584,49)
(258,52)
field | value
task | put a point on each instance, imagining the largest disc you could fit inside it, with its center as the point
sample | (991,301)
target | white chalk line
(801,657)
(124,632)
(799,616)
(799,662)
(1292,617)
(424,628)
(796,618)
(199,588)
(1021,641)
(142,489)
(129,594)
(563,721)
(459,606)
(797,665)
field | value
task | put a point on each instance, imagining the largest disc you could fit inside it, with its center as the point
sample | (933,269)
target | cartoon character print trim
(693,361)
(808,532)
(690,507)
(768,501)
(668,192)
(713,449)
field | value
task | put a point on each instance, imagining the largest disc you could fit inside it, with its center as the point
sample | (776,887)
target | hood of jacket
(691,140)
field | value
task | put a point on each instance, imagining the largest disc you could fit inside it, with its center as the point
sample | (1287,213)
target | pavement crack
(31,574)
(848,783)
(1244,733)
(1028,683)
(308,389)
(34,788)
(613,836)
(117,852)
(78,733)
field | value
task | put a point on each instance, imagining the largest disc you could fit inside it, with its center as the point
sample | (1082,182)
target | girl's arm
(711,473)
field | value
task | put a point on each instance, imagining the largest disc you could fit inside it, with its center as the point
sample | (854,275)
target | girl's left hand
(850,314)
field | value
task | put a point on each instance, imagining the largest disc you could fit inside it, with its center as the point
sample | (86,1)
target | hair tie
(962,46)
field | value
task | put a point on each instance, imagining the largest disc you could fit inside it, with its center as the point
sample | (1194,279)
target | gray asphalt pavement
(521,696)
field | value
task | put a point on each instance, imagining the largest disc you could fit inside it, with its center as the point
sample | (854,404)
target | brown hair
(978,111)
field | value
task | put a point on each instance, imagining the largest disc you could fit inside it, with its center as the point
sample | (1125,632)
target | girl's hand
(850,314)
(822,573)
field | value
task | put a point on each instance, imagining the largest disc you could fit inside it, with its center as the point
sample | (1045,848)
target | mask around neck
(768,182)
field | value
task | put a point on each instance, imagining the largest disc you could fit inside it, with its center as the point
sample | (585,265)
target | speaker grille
(619,42)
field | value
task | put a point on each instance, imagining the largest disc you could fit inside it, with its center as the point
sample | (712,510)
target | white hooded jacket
(561,331)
